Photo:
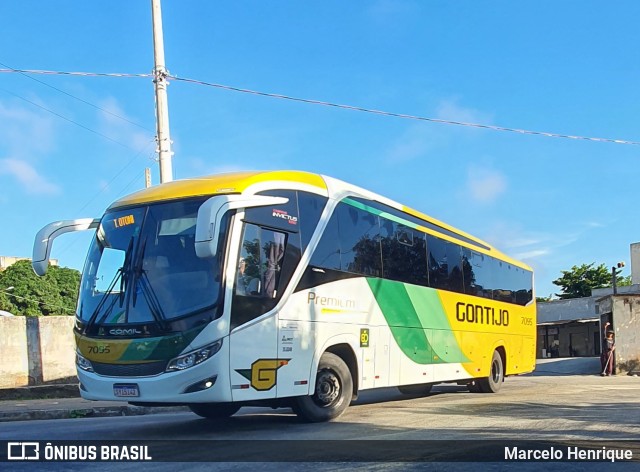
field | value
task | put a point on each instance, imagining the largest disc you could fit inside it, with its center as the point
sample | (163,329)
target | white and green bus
(289,289)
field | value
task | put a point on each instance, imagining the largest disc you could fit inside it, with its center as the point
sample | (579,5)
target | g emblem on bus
(264,373)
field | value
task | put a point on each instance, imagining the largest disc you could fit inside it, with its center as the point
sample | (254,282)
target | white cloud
(25,136)
(450,110)
(420,139)
(485,185)
(28,177)
(117,125)
(415,142)
(533,254)
(25,132)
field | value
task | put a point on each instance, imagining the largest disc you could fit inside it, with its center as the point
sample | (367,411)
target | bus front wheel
(214,410)
(493,383)
(332,394)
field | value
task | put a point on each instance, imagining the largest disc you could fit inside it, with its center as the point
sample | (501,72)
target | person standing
(608,347)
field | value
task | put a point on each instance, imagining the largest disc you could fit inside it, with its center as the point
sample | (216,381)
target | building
(572,328)
(622,310)
(7,261)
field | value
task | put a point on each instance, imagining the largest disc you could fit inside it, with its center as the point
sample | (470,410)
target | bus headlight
(194,357)
(83,363)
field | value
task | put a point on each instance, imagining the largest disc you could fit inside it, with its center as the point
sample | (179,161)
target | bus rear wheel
(333,391)
(214,410)
(493,383)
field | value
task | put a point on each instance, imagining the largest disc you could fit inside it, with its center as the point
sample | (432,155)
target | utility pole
(162,110)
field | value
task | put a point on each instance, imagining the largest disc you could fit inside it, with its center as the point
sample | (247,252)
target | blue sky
(569,67)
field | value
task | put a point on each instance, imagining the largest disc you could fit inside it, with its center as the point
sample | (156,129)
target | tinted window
(417,221)
(327,252)
(445,264)
(477,273)
(359,241)
(257,284)
(404,255)
(283,216)
(310,209)
(524,292)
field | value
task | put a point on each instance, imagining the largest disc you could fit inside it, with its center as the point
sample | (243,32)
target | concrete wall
(635,263)
(14,363)
(36,351)
(566,310)
(625,315)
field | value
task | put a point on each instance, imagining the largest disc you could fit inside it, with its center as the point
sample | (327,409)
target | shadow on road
(568,366)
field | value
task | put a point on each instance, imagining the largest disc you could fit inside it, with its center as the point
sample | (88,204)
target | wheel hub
(327,388)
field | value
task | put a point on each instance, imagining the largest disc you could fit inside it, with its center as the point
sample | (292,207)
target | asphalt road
(551,406)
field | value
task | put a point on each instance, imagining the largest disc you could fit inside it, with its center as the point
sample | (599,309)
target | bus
(288,289)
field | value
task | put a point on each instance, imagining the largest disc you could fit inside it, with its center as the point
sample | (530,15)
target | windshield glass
(142,268)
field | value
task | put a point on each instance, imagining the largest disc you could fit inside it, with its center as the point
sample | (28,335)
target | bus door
(381,377)
(254,338)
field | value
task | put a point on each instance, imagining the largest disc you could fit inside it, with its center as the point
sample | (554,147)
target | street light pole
(162,110)
(620,265)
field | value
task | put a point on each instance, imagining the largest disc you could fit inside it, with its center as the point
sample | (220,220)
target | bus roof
(238,182)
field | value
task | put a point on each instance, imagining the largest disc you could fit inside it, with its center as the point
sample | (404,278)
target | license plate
(126,390)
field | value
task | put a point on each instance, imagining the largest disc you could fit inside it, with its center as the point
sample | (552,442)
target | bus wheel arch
(332,393)
(497,368)
(345,352)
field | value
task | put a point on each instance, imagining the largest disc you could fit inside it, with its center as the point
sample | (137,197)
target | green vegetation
(580,280)
(54,294)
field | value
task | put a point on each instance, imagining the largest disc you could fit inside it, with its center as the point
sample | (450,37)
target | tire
(493,383)
(333,391)
(214,410)
(473,387)
(416,389)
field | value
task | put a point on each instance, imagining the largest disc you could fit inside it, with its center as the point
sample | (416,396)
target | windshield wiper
(122,275)
(103,299)
(137,270)
(126,270)
(140,278)
(152,301)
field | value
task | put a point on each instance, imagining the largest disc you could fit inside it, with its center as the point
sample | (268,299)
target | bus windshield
(142,268)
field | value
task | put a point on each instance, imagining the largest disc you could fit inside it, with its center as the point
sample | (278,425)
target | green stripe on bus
(430,310)
(160,348)
(411,312)
(396,306)
(383,214)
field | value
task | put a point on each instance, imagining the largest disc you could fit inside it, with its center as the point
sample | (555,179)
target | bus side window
(260,262)
(327,252)
(445,264)
(359,241)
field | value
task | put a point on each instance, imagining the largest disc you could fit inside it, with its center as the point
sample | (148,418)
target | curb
(40,392)
(96,412)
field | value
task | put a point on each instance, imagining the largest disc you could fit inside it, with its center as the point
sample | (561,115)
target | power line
(76,98)
(403,115)
(82,74)
(67,119)
(341,106)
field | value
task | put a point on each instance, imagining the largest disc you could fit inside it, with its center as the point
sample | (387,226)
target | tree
(54,294)
(580,280)
(624,281)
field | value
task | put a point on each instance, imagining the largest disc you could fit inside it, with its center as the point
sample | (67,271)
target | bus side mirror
(44,240)
(211,212)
